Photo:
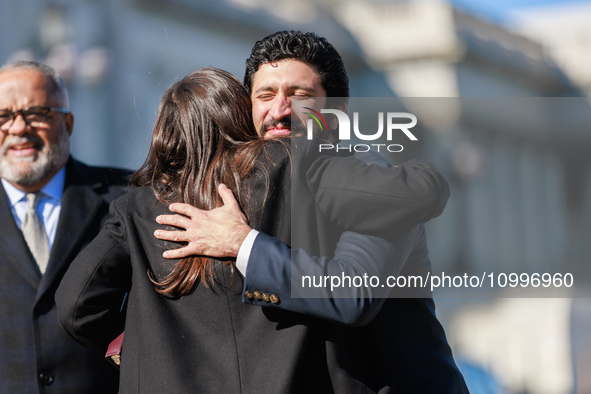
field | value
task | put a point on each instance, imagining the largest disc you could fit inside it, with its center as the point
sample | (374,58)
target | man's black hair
(305,47)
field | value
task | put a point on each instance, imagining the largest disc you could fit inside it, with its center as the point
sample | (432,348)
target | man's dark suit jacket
(209,341)
(392,345)
(36,355)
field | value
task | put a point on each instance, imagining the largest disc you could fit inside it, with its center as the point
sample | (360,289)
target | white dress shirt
(244,252)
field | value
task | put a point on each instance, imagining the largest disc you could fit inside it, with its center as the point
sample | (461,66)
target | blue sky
(498,10)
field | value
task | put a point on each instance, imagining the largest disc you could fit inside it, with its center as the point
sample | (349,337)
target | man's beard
(30,170)
(298,129)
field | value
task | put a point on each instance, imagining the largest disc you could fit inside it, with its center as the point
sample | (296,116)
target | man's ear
(334,121)
(69,121)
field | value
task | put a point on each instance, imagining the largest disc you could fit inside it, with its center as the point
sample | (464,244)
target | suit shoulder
(138,194)
(108,183)
(106,175)
(139,201)
(372,157)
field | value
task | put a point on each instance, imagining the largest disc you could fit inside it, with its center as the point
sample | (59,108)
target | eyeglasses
(33,116)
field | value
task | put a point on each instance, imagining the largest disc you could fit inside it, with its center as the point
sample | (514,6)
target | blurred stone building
(500,112)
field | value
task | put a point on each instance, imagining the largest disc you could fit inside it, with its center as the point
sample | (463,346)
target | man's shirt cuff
(244,251)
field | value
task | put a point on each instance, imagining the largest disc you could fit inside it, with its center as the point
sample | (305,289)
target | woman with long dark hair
(181,317)
(203,137)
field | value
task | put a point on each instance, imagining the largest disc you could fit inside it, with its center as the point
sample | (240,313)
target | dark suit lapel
(80,205)
(13,247)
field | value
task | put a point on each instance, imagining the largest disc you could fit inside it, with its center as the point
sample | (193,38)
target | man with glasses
(33,116)
(51,207)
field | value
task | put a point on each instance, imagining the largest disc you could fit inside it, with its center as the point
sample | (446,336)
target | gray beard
(29,171)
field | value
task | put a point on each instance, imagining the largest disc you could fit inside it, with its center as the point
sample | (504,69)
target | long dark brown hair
(203,136)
